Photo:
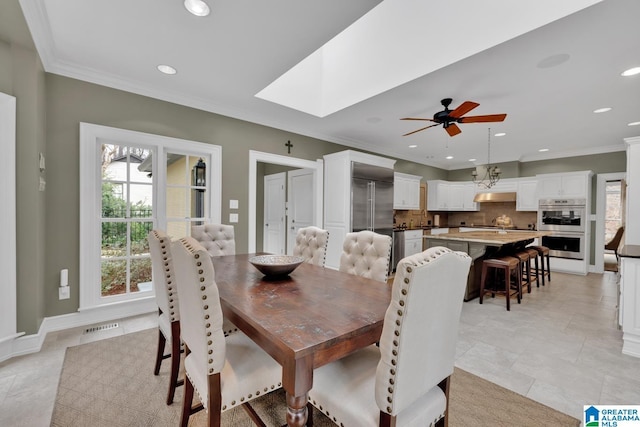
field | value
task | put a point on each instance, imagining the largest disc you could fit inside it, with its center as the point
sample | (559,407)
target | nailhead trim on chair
(174,314)
(207,316)
(397,332)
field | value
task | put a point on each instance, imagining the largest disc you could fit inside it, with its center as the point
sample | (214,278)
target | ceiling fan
(448,118)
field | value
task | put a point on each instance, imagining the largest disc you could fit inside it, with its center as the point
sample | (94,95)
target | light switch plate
(233,204)
(64,292)
(233,217)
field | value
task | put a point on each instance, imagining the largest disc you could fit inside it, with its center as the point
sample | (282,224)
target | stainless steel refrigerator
(371,198)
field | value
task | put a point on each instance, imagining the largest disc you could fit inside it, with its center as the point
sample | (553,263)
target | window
(613,209)
(132,182)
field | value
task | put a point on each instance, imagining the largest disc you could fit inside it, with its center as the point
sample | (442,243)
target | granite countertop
(630,251)
(491,237)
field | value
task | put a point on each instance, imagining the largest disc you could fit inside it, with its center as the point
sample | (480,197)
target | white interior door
(300,203)
(274,213)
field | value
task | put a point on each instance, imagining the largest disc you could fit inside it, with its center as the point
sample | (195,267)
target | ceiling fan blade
(463,109)
(415,118)
(483,119)
(453,129)
(427,127)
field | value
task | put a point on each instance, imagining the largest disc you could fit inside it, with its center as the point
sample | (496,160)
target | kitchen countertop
(493,238)
(630,251)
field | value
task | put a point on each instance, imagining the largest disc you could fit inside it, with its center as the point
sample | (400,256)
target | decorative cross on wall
(288,145)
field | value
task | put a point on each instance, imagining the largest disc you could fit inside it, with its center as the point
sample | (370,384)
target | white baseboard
(21,344)
(631,344)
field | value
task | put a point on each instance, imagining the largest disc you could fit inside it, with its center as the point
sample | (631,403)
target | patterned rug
(110,383)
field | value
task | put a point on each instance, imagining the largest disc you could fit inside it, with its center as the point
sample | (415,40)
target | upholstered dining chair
(225,371)
(163,278)
(404,381)
(217,239)
(366,253)
(311,244)
(614,243)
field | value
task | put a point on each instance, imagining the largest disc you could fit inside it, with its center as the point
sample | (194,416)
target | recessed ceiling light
(197,7)
(602,110)
(631,72)
(500,134)
(634,124)
(167,69)
(449,157)
(472,160)
(542,150)
(413,146)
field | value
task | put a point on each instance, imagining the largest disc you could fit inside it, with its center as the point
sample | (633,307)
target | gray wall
(22,76)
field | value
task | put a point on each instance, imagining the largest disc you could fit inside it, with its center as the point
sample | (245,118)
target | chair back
(217,239)
(418,341)
(366,253)
(613,244)
(201,314)
(162,274)
(311,244)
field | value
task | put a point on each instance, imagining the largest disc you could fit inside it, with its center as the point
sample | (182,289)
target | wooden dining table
(305,320)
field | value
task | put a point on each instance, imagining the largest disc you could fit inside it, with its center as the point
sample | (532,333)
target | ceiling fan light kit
(492,173)
(448,118)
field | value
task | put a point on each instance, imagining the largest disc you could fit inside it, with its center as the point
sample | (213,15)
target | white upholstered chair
(311,244)
(163,278)
(217,239)
(404,381)
(225,371)
(366,253)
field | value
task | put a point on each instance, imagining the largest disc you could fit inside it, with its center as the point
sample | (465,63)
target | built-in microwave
(567,215)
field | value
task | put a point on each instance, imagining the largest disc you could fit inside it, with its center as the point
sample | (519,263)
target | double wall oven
(567,219)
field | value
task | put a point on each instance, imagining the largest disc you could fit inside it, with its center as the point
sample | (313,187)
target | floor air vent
(100,328)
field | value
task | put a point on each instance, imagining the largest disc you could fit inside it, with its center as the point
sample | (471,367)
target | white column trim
(8,283)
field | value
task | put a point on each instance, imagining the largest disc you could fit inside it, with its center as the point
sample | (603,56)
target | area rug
(111,383)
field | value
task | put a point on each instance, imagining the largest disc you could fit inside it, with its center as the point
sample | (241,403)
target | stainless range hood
(495,197)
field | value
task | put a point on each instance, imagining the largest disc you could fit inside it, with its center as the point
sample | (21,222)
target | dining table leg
(297,379)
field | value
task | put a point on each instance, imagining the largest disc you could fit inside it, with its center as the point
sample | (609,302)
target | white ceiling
(225,59)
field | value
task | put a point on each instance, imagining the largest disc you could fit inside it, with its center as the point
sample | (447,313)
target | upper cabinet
(527,196)
(568,185)
(451,196)
(406,191)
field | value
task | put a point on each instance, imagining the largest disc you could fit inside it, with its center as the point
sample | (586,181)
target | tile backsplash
(489,211)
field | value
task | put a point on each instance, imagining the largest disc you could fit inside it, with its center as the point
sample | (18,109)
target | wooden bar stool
(533,271)
(525,265)
(543,252)
(507,265)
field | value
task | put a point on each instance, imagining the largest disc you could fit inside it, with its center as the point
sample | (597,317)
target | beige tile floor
(560,347)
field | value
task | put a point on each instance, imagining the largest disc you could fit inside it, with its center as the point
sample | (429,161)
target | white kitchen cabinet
(437,195)
(412,242)
(468,194)
(337,200)
(568,185)
(451,196)
(406,191)
(527,197)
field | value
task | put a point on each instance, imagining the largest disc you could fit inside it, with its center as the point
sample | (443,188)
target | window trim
(91,137)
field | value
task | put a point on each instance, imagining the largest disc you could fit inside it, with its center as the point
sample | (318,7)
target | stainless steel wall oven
(565,245)
(568,219)
(567,215)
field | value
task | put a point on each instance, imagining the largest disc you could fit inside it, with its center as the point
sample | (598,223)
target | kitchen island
(481,245)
